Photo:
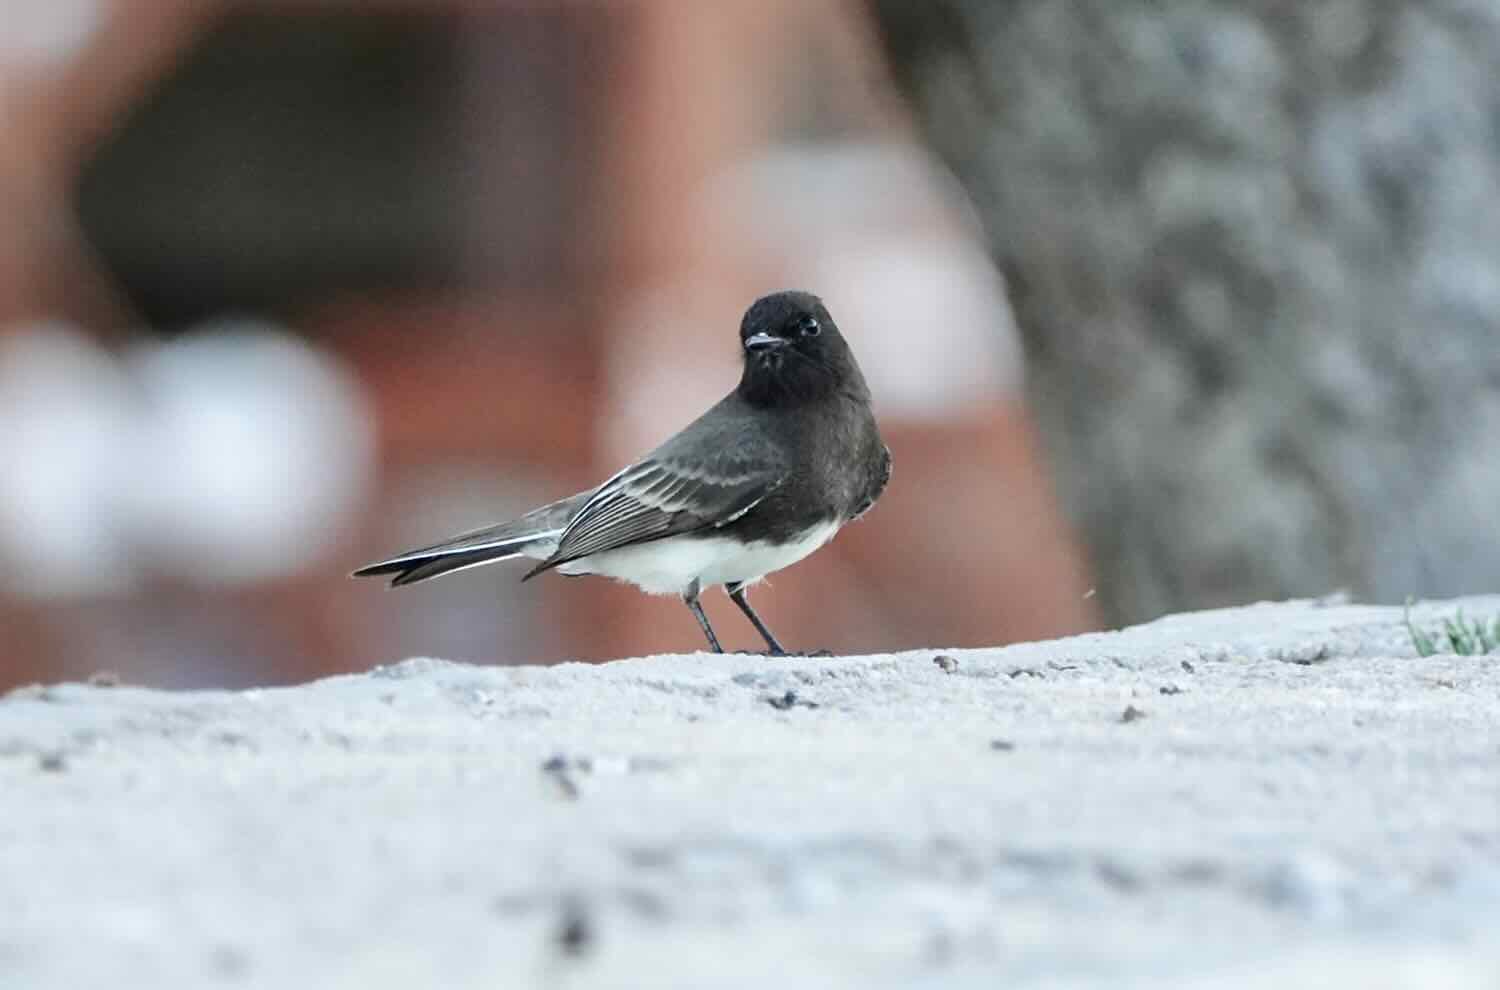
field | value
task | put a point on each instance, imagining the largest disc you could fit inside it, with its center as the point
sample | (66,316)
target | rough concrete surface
(1280,795)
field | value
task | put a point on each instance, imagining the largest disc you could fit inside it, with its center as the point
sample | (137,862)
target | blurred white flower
(48,31)
(63,403)
(255,449)
(236,454)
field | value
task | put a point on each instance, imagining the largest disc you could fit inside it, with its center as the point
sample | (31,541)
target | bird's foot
(785,654)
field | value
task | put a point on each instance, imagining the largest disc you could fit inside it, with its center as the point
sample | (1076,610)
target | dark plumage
(759,481)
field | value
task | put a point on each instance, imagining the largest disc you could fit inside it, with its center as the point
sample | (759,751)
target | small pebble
(229,961)
(1002,745)
(558,769)
(1131,714)
(945,663)
(576,935)
(52,762)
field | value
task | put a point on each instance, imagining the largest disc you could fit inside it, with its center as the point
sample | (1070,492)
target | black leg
(737,595)
(690,599)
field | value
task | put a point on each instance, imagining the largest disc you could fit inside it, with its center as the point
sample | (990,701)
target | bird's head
(794,352)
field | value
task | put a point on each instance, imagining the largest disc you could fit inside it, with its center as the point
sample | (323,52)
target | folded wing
(684,486)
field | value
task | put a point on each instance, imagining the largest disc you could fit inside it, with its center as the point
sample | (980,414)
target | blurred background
(289,287)
(1164,306)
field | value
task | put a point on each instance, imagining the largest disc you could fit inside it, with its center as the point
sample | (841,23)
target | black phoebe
(755,484)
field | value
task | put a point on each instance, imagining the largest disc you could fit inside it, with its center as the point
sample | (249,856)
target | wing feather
(680,488)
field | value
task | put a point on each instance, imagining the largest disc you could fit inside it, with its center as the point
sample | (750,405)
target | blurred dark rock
(1253,252)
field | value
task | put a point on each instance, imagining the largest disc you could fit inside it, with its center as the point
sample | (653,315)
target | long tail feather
(533,535)
(457,555)
(447,565)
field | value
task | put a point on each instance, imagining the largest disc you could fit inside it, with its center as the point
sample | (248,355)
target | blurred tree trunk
(1255,253)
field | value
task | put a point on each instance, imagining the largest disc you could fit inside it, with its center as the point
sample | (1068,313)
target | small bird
(761,480)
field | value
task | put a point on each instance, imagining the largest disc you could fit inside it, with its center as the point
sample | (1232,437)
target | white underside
(670,566)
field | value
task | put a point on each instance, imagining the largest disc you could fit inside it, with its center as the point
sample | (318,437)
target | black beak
(757,342)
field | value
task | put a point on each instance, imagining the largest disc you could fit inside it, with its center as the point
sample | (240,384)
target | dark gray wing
(710,474)
(879,478)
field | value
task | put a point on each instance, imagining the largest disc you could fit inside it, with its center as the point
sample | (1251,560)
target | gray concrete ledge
(1294,800)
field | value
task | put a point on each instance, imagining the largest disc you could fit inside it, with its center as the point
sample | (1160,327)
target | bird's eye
(809,326)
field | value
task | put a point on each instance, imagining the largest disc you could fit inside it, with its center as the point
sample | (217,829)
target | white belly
(670,566)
